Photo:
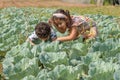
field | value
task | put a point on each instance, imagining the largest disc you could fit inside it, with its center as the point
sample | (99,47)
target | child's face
(44,39)
(60,23)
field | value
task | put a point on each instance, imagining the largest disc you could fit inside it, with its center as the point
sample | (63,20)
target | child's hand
(30,42)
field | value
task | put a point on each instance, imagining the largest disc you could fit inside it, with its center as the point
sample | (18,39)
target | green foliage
(106,2)
(17,24)
(74,60)
(117,75)
(92,2)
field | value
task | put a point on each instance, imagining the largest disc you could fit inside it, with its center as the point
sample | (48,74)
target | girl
(75,25)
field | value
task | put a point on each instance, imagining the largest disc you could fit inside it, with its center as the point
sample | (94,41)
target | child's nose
(60,25)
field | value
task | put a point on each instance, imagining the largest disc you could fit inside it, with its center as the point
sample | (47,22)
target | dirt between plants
(0,68)
(39,3)
(1,72)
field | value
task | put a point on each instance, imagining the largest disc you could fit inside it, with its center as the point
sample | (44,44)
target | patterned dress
(84,24)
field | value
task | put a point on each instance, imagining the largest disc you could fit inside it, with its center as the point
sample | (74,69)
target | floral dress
(84,24)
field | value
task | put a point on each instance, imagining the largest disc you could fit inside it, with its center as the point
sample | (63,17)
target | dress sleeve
(33,36)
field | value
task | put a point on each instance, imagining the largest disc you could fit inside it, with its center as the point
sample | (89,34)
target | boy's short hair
(43,30)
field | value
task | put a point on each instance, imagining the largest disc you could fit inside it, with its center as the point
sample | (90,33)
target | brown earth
(38,3)
(1,74)
(0,68)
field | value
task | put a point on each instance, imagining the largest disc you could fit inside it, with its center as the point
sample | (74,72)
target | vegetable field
(95,59)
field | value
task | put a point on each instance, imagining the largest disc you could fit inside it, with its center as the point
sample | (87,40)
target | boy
(43,31)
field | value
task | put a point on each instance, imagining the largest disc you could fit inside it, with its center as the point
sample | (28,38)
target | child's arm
(71,36)
(30,41)
(31,38)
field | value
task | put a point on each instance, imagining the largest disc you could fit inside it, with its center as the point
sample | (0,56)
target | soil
(1,74)
(39,3)
(0,68)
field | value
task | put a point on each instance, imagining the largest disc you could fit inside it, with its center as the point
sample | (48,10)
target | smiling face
(61,23)
(62,20)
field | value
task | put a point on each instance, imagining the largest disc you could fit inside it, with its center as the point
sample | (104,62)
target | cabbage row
(16,24)
(95,59)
